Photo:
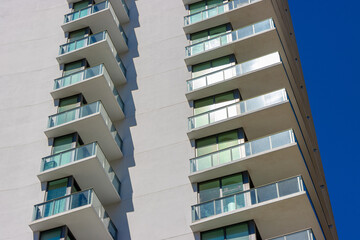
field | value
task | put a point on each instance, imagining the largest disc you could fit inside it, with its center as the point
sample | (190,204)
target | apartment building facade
(178,119)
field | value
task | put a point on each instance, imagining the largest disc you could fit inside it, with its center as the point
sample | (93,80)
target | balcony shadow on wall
(118,212)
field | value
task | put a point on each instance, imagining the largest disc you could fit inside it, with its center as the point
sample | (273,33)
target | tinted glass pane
(205,146)
(213,3)
(72,67)
(217,234)
(238,232)
(266,193)
(232,184)
(288,187)
(213,32)
(80,5)
(57,189)
(198,37)
(203,105)
(62,143)
(197,7)
(228,139)
(77,34)
(298,236)
(53,234)
(209,190)
(68,103)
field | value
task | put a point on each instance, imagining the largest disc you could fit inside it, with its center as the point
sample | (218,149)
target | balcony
(98,17)
(95,84)
(255,77)
(93,124)
(73,162)
(119,6)
(236,12)
(74,211)
(96,49)
(259,116)
(246,43)
(302,235)
(279,152)
(285,203)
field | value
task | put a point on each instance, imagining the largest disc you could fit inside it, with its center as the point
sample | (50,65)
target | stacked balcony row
(265,111)
(84,168)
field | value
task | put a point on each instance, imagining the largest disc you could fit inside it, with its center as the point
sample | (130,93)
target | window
(78,34)
(221,187)
(234,232)
(70,103)
(73,67)
(213,65)
(60,188)
(209,33)
(217,101)
(59,233)
(66,142)
(82,4)
(206,4)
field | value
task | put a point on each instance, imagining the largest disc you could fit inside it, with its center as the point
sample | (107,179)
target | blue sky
(327,37)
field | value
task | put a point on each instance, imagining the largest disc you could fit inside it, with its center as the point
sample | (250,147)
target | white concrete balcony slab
(98,17)
(96,49)
(246,43)
(237,12)
(259,116)
(95,84)
(301,235)
(285,203)
(82,212)
(252,78)
(92,123)
(119,6)
(98,175)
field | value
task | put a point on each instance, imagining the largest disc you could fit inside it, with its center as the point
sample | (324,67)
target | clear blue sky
(327,34)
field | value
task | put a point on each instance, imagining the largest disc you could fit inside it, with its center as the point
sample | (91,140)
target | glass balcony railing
(242,151)
(86,11)
(85,75)
(230,37)
(237,109)
(78,154)
(233,71)
(247,198)
(214,11)
(83,42)
(84,111)
(302,235)
(73,201)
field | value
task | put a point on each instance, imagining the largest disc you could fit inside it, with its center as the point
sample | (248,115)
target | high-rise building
(176,119)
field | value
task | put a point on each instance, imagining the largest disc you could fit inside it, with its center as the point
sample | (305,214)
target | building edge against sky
(180,119)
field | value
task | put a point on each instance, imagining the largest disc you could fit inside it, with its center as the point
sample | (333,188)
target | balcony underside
(89,173)
(96,54)
(238,17)
(256,124)
(272,218)
(94,89)
(83,222)
(98,22)
(91,129)
(244,49)
(250,85)
(119,9)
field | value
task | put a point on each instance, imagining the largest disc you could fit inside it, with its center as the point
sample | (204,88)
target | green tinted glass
(221,61)
(205,146)
(198,37)
(203,105)
(214,3)
(68,103)
(62,143)
(216,31)
(238,232)
(53,234)
(232,184)
(228,139)
(217,234)
(209,190)
(76,35)
(80,5)
(197,7)
(70,68)
(224,97)
(57,189)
